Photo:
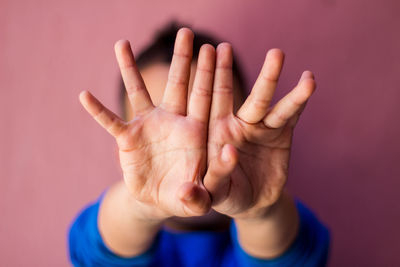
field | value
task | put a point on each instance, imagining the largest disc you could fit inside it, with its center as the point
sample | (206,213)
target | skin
(191,153)
(155,76)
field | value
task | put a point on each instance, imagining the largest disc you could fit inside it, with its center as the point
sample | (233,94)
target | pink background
(54,158)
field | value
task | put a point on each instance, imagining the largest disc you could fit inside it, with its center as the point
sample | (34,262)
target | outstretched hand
(257,138)
(163,149)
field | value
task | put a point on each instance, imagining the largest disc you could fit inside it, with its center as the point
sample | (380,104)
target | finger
(222,99)
(195,199)
(107,119)
(217,179)
(293,121)
(291,104)
(306,75)
(136,90)
(256,105)
(174,99)
(200,97)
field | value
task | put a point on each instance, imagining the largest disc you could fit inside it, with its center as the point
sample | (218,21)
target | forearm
(122,224)
(271,235)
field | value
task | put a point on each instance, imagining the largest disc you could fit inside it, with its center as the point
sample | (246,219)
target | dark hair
(162,49)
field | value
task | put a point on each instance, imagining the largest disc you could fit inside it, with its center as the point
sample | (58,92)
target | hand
(163,150)
(257,138)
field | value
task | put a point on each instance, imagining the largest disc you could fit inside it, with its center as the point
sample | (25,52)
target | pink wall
(54,158)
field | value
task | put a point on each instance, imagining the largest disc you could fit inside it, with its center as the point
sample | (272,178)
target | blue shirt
(86,246)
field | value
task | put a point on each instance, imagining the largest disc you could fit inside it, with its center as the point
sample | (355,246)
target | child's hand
(261,135)
(163,149)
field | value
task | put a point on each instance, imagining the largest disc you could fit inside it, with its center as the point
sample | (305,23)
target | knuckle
(134,88)
(126,65)
(295,102)
(277,118)
(280,116)
(176,80)
(202,91)
(223,89)
(99,116)
(268,78)
(260,103)
(182,55)
(222,66)
(204,70)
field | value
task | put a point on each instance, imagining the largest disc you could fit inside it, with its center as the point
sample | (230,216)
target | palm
(257,174)
(160,152)
(261,135)
(163,149)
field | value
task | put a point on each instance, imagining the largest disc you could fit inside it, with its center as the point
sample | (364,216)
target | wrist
(142,212)
(262,213)
(146,213)
(270,234)
(125,227)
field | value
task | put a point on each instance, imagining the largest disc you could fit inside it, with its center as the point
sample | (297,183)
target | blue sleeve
(86,247)
(310,247)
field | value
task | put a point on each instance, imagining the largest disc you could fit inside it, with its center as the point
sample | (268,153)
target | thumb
(217,179)
(195,199)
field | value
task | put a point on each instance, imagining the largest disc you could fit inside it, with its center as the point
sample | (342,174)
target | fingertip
(207,48)
(186,192)
(224,46)
(206,59)
(120,44)
(185,32)
(276,53)
(229,154)
(195,198)
(309,83)
(84,96)
(224,55)
(308,86)
(307,74)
